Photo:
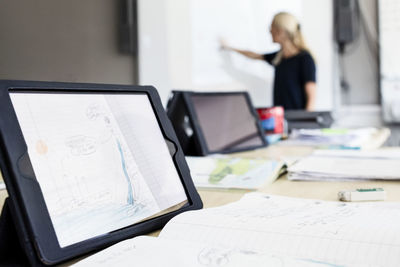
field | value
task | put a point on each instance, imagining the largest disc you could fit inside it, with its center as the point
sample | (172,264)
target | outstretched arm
(245,53)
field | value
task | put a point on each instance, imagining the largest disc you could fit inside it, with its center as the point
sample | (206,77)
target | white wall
(153,45)
(166,48)
(318,31)
(389,29)
(164,45)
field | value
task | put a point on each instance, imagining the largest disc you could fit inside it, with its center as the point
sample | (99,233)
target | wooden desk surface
(282,186)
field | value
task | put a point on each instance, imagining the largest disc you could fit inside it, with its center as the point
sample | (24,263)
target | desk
(212,198)
(282,186)
(302,189)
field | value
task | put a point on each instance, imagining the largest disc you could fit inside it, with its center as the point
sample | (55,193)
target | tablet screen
(100,159)
(226,121)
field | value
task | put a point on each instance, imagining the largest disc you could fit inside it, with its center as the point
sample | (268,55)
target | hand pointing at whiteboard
(249,54)
(295,70)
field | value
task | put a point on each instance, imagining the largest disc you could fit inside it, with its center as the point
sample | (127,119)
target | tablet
(215,122)
(87,165)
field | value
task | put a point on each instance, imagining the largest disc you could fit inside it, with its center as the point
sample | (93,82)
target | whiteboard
(389,38)
(243,24)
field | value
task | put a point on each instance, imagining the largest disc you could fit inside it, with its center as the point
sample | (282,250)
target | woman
(294,83)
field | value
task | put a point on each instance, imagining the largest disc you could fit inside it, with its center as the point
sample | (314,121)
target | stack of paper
(223,171)
(347,165)
(339,138)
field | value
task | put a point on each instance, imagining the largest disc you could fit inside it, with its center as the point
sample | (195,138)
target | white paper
(155,252)
(331,232)
(347,165)
(94,176)
(386,153)
(336,138)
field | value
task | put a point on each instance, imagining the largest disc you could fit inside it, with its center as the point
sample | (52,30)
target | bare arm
(245,53)
(311,89)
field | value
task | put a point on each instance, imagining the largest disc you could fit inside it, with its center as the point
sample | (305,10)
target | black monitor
(215,122)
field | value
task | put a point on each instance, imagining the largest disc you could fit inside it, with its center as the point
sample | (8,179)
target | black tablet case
(17,246)
(179,106)
(177,111)
(300,119)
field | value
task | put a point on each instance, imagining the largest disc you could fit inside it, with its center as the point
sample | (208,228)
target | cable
(344,84)
(359,26)
(355,25)
(345,49)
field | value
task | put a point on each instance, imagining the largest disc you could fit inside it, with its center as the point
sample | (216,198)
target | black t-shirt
(291,74)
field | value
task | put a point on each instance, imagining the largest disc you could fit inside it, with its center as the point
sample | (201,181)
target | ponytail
(298,40)
(289,23)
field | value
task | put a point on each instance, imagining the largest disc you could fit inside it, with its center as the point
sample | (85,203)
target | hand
(224,45)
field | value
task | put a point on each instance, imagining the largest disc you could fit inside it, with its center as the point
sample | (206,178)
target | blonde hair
(287,22)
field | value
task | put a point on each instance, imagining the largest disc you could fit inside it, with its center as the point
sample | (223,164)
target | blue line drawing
(322,263)
(129,198)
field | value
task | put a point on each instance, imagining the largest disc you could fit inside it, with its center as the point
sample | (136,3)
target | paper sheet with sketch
(142,250)
(269,228)
(331,232)
(96,177)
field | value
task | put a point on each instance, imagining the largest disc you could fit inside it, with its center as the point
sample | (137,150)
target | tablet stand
(12,253)
(27,234)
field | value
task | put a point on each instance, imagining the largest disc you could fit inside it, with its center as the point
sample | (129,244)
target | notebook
(263,227)
(223,171)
